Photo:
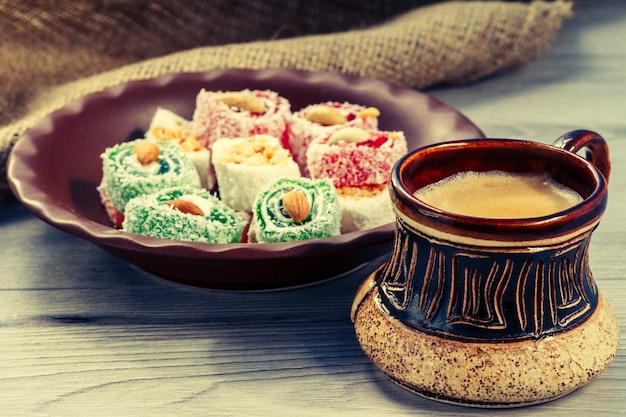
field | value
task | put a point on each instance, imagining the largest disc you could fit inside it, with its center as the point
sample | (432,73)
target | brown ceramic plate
(55,168)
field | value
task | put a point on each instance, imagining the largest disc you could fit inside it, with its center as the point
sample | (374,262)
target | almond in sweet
(147,152)
(325,115)
(296,205)
(369,112)
(243,101)
(349,135)
(185,206)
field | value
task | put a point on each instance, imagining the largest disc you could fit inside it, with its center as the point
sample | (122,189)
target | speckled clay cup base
(508,374)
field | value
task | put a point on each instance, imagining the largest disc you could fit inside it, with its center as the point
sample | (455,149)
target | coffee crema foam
(499,195)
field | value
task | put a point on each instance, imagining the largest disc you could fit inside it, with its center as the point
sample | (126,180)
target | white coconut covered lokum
(244,165)
(365,207)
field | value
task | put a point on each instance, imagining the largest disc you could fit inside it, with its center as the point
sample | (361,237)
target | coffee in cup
(499,194)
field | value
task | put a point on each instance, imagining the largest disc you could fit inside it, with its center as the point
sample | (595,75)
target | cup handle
(595,147)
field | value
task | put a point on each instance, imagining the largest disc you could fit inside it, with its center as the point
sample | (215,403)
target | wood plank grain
(83,333)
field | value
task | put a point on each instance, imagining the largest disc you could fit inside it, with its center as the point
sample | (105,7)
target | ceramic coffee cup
(484,311)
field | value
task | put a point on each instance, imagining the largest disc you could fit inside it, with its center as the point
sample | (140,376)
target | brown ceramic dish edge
(55,168)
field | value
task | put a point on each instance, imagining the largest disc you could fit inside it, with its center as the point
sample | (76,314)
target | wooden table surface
(84,333)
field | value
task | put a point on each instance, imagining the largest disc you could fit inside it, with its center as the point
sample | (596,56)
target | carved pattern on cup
(474,292)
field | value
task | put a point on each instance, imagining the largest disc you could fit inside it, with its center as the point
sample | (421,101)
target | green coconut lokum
(126,175)
(184,213)
(291,209)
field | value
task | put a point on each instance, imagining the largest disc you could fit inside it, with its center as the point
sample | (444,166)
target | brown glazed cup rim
(431,163)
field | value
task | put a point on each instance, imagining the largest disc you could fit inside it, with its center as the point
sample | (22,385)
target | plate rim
(52,212)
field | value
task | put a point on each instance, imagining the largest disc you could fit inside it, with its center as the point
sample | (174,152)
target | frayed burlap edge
(447,43)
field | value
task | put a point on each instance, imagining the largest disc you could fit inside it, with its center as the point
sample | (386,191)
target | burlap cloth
(54,52)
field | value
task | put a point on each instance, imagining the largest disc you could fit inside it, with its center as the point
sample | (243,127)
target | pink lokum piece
(233,114)
(354,157)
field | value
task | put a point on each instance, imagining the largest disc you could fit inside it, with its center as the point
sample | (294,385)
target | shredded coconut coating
(302,131)
(214,119)
(244,165)
(124,178)
(365,207)
(256,150)
(151,215)
(271,223)
(355,164)
(246,141)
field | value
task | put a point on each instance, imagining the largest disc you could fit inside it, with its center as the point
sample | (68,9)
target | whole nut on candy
(325,115)
(349,135)
(243,101)
(147,152)
(369,112)
(296,205)
(185,206)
